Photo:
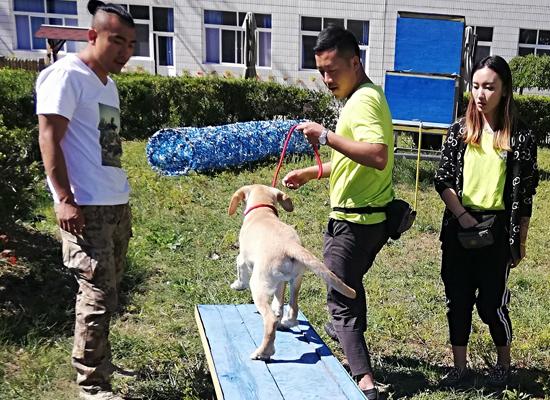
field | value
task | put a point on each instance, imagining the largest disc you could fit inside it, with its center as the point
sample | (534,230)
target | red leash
(287,140)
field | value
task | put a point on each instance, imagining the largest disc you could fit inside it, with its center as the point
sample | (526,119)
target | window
(159,28)
(30,14)
(311,26)
(224,38)
(533,41)
(484,36)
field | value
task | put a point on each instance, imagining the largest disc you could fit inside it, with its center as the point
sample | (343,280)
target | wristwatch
(323,136)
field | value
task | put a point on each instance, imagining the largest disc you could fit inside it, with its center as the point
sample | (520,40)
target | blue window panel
(55,21)
(37,43)
(71,45)
(170,20)
(212,42)
(263,20)
(163,19)
(212,17)
(166,51)
(428,45)
(61,7)
(23,32)
(421,98)
(28,5)
(264,45)
(360,30)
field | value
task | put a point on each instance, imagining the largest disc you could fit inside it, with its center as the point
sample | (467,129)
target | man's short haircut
(337,38)
(95,5)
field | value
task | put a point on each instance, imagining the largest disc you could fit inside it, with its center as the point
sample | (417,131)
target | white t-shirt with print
(91,146)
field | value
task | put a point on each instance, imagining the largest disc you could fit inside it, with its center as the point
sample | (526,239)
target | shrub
(20,171)
(149,103)
(531,72)
(17,98)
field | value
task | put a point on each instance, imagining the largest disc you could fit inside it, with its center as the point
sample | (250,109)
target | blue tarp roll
(178,151)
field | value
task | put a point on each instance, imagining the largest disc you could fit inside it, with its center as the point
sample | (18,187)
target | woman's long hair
(506,110)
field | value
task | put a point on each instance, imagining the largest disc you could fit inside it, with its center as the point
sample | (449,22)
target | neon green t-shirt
(484,175)
(366,118)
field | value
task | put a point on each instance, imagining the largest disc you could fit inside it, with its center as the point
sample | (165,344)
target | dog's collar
(260,206)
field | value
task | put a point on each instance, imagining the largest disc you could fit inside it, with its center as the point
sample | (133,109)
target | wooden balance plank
(303,367)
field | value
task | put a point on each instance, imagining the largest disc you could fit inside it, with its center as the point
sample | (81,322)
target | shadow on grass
(405,377)
(37,294)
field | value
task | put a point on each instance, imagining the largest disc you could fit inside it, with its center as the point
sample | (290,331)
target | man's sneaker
(99,395)
(331,332)
(498,375)
(455,376)
(371,394)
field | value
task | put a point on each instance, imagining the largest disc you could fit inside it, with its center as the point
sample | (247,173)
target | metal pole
(418,165)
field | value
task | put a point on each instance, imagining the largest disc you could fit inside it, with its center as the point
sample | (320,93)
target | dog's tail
(318,268)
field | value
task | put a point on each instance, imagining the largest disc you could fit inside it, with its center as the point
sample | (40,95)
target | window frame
(150,23)
(46,16)
(239,32)
(536,46)
(362,47)
(485,43)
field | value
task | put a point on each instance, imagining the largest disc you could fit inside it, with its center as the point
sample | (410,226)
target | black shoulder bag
(399,215)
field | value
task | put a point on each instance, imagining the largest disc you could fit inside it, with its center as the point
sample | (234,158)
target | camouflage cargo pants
(97,258)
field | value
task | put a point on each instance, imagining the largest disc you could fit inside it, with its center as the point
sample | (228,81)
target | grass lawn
(183,253)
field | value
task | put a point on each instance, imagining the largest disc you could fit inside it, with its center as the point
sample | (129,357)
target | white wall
(506,16)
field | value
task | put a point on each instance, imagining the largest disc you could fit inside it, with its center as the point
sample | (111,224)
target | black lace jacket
(521,176)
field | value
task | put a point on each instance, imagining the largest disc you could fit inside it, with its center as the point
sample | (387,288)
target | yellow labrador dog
(271,255)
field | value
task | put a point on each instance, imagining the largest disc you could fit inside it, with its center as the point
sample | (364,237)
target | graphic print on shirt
(109,139)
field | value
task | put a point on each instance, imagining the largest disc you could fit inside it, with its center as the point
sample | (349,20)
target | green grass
(183,253)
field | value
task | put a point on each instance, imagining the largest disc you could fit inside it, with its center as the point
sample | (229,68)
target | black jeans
(349,252)
(477,276)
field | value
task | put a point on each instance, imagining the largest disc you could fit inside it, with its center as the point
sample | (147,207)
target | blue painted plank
(230,347)
(428,45)
(333,366)
(421,98)
(302,366)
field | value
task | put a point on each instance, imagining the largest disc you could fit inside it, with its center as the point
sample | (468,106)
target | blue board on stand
(429,45)
(426,98)
(303,367)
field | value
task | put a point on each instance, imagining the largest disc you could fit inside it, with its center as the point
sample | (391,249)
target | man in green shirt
(360,173)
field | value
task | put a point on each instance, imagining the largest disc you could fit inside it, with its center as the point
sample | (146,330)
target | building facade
(207,36)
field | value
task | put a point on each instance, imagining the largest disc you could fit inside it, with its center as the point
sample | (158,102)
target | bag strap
(360,210)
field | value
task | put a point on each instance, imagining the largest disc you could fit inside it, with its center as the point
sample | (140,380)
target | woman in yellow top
(487,178)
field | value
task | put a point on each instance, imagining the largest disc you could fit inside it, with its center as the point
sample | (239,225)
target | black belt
(360,210)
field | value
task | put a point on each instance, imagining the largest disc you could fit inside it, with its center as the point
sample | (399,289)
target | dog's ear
(284,201)
(237,197)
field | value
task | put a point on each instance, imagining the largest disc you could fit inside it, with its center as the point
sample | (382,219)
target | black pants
(349,252)
(477,276)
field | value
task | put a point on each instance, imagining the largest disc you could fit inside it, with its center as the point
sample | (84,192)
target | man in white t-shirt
(79,124)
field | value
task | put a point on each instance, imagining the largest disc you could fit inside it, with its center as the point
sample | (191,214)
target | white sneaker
(99,395)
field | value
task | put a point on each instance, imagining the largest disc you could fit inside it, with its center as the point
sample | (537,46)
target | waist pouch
(399,215)
(478,236)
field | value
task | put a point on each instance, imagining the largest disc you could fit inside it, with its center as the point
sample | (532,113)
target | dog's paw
(262,355)
(239,285)
(288,323)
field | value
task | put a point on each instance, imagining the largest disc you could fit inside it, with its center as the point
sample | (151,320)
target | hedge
(149,103)
(20,171)
(531,72)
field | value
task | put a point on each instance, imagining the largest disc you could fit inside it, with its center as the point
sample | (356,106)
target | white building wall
(505,16)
